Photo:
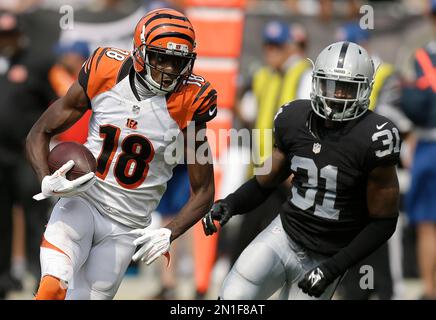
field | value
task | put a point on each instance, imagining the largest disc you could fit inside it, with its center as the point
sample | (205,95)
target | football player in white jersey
(136,98)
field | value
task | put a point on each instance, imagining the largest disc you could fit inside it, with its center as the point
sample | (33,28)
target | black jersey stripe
(100,56)
(89,61)
(207,104)
(166,25)
(202,90)
(211,97)
(125,68)
(173,34)
(342,54)
(132,74)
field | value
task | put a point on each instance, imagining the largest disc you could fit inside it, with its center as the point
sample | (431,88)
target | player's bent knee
(236,287)
(233,288)
(56,264)
(51,288)
(103,283)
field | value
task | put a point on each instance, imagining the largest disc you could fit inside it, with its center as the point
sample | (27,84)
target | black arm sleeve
(376,232)
(247,197)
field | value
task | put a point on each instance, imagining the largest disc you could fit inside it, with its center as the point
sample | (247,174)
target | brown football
(84,160)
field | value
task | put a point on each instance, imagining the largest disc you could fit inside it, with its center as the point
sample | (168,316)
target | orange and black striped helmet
(163,49)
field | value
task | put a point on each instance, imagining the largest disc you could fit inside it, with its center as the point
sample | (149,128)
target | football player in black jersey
(344,196)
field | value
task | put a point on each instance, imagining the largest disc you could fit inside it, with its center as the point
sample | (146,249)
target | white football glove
(154,244)
(59,186)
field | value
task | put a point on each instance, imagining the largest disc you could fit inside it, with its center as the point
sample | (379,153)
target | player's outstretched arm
(61,115)
(250,195)
(382,202)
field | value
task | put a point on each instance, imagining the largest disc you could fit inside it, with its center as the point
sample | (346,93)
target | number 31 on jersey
(387,140)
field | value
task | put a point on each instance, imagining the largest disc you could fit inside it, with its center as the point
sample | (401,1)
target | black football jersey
(327,207)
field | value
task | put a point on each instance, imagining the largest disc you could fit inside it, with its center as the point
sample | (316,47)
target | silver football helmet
(342,79)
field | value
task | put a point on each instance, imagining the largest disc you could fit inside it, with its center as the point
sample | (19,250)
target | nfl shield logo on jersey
(136,109)
(316,147)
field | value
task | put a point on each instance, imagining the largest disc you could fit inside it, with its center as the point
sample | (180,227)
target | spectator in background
(18,6)
(23,91)
(62,75)
(107,23)
(385,100)
(286,76)
(416,37)
(419,104)
(326,7)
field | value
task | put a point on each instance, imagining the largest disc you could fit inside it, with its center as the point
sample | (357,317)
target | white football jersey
(128,137)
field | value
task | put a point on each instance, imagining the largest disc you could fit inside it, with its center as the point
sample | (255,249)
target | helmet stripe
(164,25)
(342,54)
(164,15)
(174,35)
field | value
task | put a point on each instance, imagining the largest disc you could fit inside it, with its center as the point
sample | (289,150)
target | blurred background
(253,52)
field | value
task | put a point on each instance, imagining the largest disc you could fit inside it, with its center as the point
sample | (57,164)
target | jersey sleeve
(205,103)
(85,71)
(385,146)
(283,126)
(101,71)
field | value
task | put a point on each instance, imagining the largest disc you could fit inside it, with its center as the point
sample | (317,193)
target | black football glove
(220,211)
(316,281)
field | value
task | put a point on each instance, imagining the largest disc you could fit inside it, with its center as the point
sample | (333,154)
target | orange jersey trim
(101,71)
(196,100)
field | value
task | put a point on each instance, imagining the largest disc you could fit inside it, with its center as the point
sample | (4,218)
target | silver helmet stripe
(143,34)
